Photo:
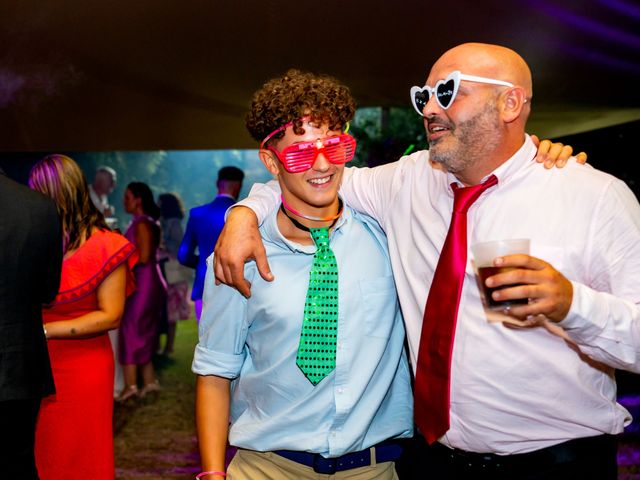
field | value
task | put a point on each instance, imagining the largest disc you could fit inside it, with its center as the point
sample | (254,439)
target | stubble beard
(473,139)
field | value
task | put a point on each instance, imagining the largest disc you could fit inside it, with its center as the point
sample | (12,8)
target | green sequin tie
(317,351)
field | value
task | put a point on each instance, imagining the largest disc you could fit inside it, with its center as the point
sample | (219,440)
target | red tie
(431,389)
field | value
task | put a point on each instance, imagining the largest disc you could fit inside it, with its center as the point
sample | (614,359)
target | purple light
(590,26)
(625,8)
(596,57)
(11,83)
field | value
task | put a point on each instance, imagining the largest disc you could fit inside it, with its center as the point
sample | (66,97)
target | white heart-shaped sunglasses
(447,89)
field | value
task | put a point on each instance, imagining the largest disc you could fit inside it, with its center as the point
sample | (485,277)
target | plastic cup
(484,255)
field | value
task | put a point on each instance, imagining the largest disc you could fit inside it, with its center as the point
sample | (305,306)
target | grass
(155,437)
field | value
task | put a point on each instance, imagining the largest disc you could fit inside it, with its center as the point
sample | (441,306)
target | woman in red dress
(74,435)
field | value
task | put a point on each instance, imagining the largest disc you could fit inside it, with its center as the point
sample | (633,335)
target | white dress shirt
(100,201)
(518,390)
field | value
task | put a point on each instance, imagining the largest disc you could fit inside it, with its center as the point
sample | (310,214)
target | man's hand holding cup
(520,286)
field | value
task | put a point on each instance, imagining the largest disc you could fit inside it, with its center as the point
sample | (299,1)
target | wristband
(204,474)
(44,329)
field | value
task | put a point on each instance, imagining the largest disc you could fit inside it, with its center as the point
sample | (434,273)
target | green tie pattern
(317,350)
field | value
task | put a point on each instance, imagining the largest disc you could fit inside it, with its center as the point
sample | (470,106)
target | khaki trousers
(250,465)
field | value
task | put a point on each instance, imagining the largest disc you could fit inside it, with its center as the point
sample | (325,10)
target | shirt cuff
(209,362)
(587,316)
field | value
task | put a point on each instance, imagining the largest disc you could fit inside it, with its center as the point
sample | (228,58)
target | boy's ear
(270,161)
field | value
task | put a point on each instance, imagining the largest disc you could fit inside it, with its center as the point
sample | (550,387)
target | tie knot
(463,197)
(320,236)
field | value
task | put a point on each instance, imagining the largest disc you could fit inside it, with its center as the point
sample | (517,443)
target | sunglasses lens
(340,149)
(298,160)
(445,93)
(420,99)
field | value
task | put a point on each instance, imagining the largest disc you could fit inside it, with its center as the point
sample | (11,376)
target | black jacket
(30,264)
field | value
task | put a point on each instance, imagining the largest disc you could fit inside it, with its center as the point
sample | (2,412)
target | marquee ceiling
(147,75)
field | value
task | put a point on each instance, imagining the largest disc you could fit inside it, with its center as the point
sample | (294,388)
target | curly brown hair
(295,95)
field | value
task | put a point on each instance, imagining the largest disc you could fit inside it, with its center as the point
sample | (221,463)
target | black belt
(384,452)
(569,451)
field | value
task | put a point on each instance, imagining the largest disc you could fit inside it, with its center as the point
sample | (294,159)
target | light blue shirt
(365,400)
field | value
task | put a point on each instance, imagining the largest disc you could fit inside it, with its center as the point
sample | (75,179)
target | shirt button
(340,389)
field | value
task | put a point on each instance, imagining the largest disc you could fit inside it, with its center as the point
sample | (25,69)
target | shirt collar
(225,195)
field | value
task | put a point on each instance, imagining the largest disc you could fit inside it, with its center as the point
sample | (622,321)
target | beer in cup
(484,255)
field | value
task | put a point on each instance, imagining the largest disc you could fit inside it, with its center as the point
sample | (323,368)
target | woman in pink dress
(74,436)
(139,327)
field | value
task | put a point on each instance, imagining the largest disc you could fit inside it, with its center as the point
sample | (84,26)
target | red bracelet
(204,474)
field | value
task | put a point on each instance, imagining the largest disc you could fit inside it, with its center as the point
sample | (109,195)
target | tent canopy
(148,75)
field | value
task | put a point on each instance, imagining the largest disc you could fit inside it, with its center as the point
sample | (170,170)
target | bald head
(485,60)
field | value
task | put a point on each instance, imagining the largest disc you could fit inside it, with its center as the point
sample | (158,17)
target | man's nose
(432,106)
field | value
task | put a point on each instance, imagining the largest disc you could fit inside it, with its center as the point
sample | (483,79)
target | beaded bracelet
(204,474)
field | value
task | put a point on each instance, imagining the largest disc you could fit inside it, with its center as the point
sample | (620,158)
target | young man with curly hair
(312,367)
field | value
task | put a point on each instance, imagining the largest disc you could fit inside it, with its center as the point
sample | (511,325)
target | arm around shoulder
(239,242)
(371,190)
(263,199)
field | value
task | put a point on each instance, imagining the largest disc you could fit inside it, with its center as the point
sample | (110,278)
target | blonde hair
(61,179)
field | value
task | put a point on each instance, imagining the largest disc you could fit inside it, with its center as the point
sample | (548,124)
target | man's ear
(514,104)
(268,159)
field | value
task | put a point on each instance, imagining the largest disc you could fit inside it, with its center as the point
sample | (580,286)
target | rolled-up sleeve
(222,331)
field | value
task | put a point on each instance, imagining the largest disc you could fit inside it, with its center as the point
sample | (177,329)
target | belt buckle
(325,466)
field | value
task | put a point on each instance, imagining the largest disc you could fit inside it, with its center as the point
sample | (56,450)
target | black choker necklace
(305,228)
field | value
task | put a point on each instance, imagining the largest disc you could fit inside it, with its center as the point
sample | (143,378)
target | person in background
(74,436)
(30,265)
(104,182)
(176,275)
(320,376)
(203,227)
(139,327)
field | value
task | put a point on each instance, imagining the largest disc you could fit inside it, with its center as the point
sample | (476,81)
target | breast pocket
(380,302)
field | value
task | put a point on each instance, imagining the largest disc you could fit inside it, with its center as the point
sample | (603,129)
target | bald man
(533,402)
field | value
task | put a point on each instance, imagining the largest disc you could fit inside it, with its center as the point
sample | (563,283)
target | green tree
(385,134)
